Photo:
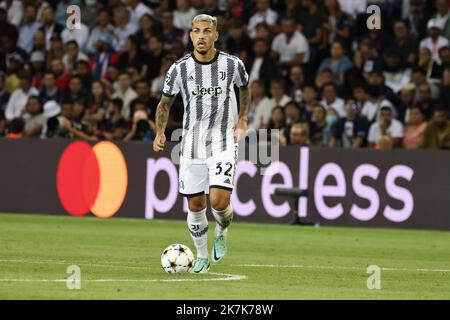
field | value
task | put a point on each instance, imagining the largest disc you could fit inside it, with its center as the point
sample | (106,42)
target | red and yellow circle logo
(92,179)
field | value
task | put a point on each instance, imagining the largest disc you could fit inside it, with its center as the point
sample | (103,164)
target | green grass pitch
(120,259)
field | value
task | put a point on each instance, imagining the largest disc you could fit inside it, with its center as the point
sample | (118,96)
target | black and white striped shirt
(209,100)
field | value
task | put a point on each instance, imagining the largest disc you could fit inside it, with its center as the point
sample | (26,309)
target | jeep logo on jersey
(214,91)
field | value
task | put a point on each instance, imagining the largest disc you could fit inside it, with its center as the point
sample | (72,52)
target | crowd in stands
(318,74)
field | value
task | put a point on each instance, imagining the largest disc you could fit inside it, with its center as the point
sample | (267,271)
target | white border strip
(298,266)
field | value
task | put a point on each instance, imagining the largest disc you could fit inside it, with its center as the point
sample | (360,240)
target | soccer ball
(177,258)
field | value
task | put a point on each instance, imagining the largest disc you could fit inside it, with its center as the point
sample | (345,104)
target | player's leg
(192,184)
(223,214)
(221,178)
(198,227)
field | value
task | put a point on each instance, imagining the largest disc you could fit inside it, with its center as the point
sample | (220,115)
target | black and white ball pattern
(177,258)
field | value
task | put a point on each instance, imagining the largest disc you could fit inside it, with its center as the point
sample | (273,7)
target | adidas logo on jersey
(191,78)
(227,181)
(214,91)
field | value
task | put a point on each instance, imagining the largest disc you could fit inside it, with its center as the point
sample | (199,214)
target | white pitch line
(224,276)
(297,266)
(228,277)
(67,262)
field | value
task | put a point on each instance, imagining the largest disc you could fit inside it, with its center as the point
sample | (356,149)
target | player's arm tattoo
(244,98)
(162,113)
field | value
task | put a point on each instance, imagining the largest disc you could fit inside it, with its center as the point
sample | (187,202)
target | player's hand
(240,131)
(159,142)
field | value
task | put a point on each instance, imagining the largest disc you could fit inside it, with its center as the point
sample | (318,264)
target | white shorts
(197,176)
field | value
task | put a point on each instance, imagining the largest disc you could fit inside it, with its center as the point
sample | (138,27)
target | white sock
(222,218)
(198,227)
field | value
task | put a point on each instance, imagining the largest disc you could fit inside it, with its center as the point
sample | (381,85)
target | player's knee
(196,205)
(220,204)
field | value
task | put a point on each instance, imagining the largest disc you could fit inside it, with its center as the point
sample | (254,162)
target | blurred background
(317,73)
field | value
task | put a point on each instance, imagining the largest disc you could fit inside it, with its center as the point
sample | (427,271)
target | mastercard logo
(92,179)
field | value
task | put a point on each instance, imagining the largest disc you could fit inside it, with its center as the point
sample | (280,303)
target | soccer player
(212,129)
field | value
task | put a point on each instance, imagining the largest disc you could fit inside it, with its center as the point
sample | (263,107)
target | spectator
(376,79)
(366,57)
(79,34)
(338,63)
(425,100)
(434,41)
(104,57)
(147,29)
(374,103)
(38,42)
(16,128)
(170,32)
(432,67)
(405,42)
(132,58)
(311,19)
(14,9)
(183,15)
(82,70)
(264,110)
(103,26)
(437,133)
(299,135)
(290,47)
(407,96)
(414,129)
(4,97)
(145,99)
(62,78)
(263,32)
(386,126)
(158,83)
(142,129)
(444,96)
(114,126)
(351,130)
(416,19)
(33,117)
(337,24)
(50,26)
(275,126)
(49,90)
(261,65)
(238,43)
(90,10)
(29,27)
(309,102)
(126,93)
(19,97)
(97,103)
(37,61)
(76,92)
(317,126)
(124,27)
(263,14)
(155,57)
(72,56)
(442,15)
(331,100)
(138,9)
(396,73)
(56,48)
(296,84)
(258,99)
(293,115)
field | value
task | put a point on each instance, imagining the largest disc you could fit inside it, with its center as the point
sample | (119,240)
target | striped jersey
(210,105)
